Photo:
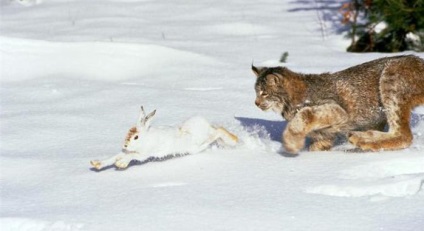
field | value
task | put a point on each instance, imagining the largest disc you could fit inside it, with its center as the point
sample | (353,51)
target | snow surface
(74,73)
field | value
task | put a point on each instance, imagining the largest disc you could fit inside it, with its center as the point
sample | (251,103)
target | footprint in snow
(167,184)
(15,223)
(203,88)
(391,178)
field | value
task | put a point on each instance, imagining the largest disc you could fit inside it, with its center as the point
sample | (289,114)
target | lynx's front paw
(292,142)
(322,145)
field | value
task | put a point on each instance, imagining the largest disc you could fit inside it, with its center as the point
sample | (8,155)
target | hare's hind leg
(227,137)
(218,134)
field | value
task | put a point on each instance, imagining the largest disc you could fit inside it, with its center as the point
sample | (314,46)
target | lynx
(357,103)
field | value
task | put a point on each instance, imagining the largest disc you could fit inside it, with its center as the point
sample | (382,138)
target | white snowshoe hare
(143,141)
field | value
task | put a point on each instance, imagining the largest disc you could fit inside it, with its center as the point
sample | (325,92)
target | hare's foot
(97,164)
(122,164)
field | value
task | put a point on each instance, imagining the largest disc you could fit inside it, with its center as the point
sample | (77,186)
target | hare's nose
(125,146)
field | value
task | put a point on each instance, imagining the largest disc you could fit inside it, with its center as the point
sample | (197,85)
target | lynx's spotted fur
(357,102)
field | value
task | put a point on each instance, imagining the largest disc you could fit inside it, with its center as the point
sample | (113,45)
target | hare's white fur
(143,141)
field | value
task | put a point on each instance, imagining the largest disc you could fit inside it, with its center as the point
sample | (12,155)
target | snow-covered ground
(74,74)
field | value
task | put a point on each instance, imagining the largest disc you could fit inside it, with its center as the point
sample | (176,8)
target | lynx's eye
(264,94)
(135,137)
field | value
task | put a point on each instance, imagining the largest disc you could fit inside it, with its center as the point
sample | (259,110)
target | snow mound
(25,224)
(394,178)
(91,60)
(28,2)
(397,186)
(419,110)
(388,168)
(238,29)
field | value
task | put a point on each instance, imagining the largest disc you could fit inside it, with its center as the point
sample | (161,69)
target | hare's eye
(135,137)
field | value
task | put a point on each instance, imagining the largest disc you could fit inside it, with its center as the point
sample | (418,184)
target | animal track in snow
(393,178)
(168,184)
(203,88)
(14,223)
(387,168)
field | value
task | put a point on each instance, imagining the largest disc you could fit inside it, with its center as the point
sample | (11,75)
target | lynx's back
(359,88)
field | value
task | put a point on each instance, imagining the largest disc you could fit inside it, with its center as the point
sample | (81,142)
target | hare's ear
(144,123)
(142,113)
(141,117)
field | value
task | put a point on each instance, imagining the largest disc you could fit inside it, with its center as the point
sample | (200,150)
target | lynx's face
(269,94)
(265,98)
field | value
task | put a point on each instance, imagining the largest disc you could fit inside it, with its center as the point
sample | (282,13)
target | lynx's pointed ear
(272,79)
(257,71)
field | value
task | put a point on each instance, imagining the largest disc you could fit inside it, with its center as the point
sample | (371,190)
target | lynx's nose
(257,103)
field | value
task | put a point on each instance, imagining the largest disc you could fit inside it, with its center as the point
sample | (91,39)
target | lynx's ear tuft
(257,70)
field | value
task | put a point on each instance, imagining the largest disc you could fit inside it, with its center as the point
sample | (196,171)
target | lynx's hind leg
(399,95)
(399,135)
(368,135)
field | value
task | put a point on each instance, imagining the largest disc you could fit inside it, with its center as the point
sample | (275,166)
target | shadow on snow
(327,11)
(264,129)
